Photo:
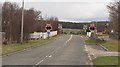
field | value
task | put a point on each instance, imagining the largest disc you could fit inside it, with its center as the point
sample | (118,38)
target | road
(64,50)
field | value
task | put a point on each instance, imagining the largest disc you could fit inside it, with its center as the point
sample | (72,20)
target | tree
(11,21)
(8,11)
(1,10)
(114,15)
(30,19)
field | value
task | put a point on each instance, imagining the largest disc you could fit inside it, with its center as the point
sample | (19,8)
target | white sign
(48,27)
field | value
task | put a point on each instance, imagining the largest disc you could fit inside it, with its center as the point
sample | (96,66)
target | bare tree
(114,15)
(11,21)
(8,11)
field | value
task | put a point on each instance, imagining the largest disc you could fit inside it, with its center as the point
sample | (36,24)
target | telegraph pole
(96,26)
(22,21)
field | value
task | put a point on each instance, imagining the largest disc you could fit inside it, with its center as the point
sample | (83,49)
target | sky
(70,10)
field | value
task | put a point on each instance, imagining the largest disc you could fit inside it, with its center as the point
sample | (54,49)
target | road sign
(92,27)
(48,27)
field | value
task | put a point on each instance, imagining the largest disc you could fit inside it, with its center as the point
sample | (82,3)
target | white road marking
(86,49)
(93,55)
(81,36)
(39,62)
(53,51)
(43,59)
(89,55)
(69,39)
(63,45)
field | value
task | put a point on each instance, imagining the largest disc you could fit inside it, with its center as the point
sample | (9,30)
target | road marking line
(62,46)
(69,39)
(81,36)
(89,55)
(53,51)
(86,48)
(39,62)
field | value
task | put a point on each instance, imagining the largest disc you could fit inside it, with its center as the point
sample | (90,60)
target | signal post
(48,28)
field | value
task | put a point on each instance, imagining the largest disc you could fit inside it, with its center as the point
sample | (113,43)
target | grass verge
(6,49)
(110,45)
(93,42)
(71,30)
(106,60)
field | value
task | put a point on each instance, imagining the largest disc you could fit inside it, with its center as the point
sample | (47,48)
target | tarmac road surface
(64,50)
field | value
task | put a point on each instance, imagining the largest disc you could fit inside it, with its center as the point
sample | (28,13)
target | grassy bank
(110,45)
(106,60)
(71,30)
(93,42)
(6,49)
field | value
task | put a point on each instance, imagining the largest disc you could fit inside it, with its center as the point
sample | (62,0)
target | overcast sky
(70,10)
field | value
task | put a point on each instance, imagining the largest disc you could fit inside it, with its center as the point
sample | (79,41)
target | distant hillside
(100,25)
